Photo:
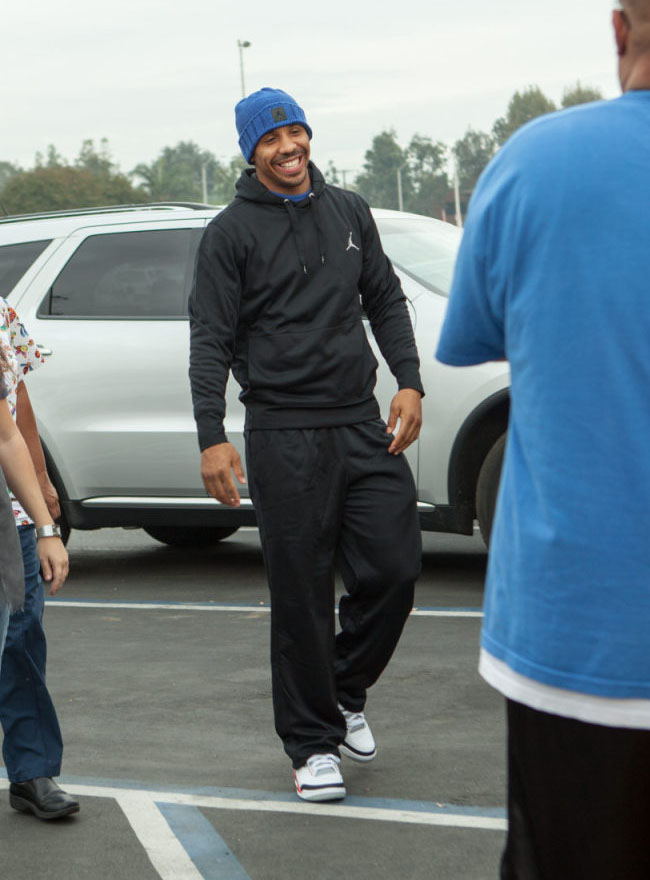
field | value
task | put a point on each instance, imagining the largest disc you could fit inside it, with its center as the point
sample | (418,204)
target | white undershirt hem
(608,711)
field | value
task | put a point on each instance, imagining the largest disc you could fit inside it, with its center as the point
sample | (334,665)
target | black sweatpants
(329,497)
(578,799)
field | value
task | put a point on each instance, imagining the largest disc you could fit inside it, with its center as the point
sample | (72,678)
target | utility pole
(400,200)
(345,171)
(204,183)
(241,45)
(459,216)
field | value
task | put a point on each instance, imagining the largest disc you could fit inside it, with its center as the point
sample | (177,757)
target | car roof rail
(108,209)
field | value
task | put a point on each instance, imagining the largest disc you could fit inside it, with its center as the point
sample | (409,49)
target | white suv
(104,293)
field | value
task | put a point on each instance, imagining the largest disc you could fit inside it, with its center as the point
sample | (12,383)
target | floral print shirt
(22,356)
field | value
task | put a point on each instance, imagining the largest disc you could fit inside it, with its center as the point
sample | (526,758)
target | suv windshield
(423,248)
(15,260)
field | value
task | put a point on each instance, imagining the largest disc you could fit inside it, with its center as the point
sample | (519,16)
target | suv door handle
(46,352)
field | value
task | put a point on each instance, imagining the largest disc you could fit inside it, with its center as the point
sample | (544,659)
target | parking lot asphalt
(158,665)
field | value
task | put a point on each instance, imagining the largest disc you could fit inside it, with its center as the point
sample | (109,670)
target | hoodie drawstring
(295,229)
(291,210)
(319,227)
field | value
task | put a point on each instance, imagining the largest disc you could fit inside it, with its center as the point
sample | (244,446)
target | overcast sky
(148,73)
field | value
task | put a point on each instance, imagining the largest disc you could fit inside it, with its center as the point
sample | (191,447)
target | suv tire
(65,529)
(190,536)
(487,487)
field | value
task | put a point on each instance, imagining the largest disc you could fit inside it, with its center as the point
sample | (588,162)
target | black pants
(326,497)
(578,799)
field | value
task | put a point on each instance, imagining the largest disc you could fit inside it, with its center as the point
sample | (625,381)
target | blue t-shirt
(553,274)
(295,199)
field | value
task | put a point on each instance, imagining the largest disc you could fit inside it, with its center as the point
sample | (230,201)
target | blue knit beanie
(263,111)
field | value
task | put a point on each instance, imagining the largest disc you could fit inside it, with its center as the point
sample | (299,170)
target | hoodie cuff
(211,437)
(410,379)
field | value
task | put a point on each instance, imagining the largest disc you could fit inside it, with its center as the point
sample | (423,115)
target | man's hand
(217,462)
(407,407)
(54,562)
(50,495)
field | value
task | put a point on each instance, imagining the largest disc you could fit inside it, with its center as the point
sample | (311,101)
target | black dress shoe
(42,797)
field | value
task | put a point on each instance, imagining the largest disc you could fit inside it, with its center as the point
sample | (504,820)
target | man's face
(281,158)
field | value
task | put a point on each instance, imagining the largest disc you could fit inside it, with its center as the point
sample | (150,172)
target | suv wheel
(487,487)
(189,536)
(65,528)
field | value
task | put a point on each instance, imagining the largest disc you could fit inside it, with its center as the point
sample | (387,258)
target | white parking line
(90,604)
(340,810)
(443,817)
(166,854)
(155,606)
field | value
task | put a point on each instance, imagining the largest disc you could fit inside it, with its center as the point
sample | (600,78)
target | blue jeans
(32,738)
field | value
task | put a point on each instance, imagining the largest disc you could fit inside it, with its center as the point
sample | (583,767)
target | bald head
(632,31)
(638,10)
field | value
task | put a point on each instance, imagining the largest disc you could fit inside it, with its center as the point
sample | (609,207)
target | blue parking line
(205,846)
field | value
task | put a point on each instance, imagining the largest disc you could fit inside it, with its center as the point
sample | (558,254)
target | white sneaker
(319,779)
(359,743)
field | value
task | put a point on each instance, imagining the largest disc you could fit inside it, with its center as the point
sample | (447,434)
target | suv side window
(144,274)
(15,260)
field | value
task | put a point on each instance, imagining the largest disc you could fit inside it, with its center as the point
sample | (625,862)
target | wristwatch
(51,530)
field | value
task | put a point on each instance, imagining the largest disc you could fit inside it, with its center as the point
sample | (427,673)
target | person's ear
(621,31)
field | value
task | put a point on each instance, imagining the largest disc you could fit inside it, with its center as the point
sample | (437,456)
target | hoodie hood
(250,188)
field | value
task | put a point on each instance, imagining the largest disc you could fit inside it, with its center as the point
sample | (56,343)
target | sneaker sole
(360,757)
(319,795)
(25,806)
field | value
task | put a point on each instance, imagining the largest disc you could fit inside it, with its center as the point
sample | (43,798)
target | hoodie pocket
(328,366)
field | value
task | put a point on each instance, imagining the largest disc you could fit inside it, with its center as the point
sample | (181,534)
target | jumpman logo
(351,244)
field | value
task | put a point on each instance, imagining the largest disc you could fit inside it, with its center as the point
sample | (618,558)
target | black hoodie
(278,294)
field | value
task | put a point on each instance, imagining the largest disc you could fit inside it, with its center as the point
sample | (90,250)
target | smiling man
(281,278)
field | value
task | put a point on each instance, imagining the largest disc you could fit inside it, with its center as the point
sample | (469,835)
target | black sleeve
(214,311)
(385,304)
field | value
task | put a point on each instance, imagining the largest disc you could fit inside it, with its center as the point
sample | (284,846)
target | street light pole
(242,44)
(459,216)
(345,171)
(400,200)
(204,182)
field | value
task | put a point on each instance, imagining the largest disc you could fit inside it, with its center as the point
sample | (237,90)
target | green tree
(523,107)
(98,162)
(222,187)
(332,174)
(178,172)
(53,158)
(428,183)
(377,183)
(61,187)
(7,171)
(472,153)
(420,168)
(579,94)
